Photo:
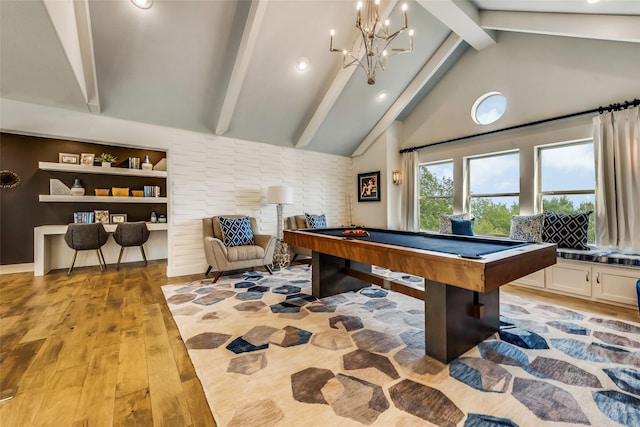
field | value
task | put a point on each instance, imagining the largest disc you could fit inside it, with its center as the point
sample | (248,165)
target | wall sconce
(395,176)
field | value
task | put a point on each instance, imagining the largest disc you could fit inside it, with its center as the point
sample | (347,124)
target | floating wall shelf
(65,167)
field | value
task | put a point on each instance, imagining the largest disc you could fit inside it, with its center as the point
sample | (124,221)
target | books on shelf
(83,217)
(151,191)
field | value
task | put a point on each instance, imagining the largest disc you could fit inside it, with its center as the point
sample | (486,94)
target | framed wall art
(369,187)
(116,218)
(101,216)
(87,159)
(72,159)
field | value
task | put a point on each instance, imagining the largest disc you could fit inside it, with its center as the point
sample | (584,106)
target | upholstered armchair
(221,257)
(293,223)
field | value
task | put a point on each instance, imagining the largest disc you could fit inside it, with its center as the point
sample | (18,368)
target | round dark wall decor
(9,179)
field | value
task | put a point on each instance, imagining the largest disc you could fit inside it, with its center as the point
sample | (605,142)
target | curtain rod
(600,110)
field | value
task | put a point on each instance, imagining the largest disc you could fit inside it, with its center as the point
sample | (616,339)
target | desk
(51,252)
(462,276)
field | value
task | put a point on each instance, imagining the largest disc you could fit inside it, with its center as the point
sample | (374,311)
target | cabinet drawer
(611,284)
(570,278)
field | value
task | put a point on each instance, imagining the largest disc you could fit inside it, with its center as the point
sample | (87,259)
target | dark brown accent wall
(20,210)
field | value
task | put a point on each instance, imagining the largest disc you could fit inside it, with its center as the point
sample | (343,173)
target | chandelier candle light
(375,40)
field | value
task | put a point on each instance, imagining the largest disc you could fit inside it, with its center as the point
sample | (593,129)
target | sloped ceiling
(228,67)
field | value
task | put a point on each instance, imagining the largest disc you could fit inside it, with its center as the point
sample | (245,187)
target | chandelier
(375,40)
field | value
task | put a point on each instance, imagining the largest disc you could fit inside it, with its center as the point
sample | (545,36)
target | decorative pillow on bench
(236,231)
(462,227)
(445,221)
(566,230)
(527,228)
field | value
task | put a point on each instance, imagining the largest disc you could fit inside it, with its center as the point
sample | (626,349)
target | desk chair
(131,234)
(85,237)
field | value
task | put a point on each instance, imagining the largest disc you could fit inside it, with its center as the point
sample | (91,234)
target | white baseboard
(16,268)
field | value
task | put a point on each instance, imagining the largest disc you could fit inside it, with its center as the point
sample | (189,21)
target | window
(568,180)
(436,193)
(494,192)
(488,108)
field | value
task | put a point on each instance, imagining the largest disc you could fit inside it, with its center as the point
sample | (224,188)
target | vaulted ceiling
(227,67)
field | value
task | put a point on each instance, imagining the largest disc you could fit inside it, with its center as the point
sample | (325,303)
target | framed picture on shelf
(101,216)
(116,218)
(72,159)
(369,187)
(86,159)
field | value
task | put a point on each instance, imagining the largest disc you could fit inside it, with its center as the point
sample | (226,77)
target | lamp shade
(280,194)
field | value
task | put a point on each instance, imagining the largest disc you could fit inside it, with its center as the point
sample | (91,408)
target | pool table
(462,275)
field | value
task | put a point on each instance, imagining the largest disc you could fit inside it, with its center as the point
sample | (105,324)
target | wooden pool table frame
(462,300)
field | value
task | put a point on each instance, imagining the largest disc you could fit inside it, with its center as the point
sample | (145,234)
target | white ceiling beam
(73,26)
(600,27)
(243,58)
(437,60)
(463,18)
(335,89)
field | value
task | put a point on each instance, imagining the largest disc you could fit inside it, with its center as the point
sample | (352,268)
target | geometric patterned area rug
(269,354)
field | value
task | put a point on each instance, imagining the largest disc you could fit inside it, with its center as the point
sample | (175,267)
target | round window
(488,108)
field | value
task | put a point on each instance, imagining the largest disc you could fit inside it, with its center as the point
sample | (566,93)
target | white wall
(541,76)
(207,175)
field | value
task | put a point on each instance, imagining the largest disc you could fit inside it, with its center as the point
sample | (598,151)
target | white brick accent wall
(215,175)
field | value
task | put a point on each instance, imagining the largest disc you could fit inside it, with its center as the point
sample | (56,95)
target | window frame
(540,194)
(469,195)
(420,198)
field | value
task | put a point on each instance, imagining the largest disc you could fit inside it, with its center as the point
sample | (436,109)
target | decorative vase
(146,163)
(106,164)
(77,189)
(154,218)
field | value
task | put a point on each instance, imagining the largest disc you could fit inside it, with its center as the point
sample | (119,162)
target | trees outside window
(436,193)
(494,192)
(568,180)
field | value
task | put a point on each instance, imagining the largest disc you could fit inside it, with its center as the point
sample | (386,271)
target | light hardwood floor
(95,349)
(101,349)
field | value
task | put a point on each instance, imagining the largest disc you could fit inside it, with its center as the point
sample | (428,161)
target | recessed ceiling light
(381,95)
(592,1)
(142,4)
(302,63)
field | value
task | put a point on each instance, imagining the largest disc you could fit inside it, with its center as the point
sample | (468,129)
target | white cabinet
(613,284)
(569,277)
(534,280)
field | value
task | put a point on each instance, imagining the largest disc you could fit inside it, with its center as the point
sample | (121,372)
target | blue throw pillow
(236,231)
(462,227)
(316,221)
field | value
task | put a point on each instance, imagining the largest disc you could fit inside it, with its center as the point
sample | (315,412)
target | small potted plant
(106,159)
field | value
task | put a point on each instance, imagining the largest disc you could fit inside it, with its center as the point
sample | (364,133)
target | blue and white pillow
(527,228)
(566,230)
(462,227)
(316,221)
(236,231)
(445,221)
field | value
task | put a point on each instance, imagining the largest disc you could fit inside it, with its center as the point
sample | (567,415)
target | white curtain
(616,141)
(410,202)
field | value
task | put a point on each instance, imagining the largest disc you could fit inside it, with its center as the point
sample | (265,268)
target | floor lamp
(280,195)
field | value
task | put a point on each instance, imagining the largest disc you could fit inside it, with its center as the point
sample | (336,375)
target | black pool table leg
(450,325)
(329,278)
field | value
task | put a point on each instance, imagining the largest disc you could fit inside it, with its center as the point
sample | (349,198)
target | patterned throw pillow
(462,227)
(236,231)
(445,221)
(566,230)
(527,228)
(316,221)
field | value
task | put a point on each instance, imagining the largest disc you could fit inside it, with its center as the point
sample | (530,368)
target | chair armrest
(268,243)
(215,251)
